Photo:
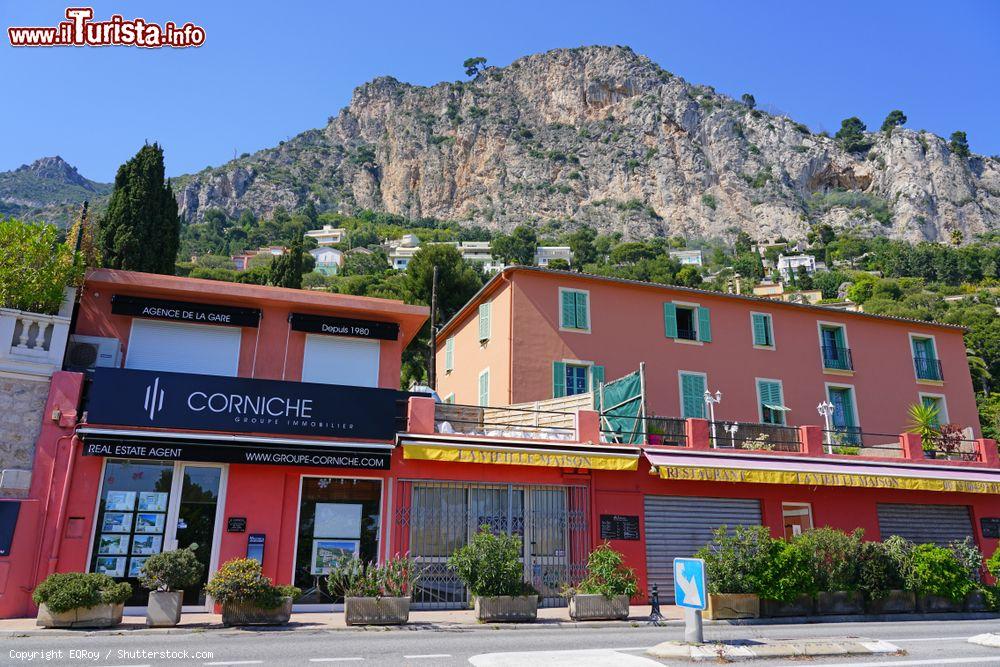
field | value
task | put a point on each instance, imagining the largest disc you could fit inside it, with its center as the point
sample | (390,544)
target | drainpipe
(63,502)
(510,340)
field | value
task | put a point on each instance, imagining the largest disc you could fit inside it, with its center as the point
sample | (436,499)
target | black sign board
(236,524)
(128,397)
(619,527)
(255,547)
(225,452)
(990,526)
(8,521)
(182,311)
(342,326)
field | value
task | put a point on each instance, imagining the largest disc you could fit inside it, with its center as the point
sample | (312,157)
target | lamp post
(731,429)
(825,408)
(710,402)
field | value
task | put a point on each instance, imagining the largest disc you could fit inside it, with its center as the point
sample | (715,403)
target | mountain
(48,189)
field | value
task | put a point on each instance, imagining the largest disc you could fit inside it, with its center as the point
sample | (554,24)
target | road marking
(427,655)
(570,658)
(236,662)
(335,659)
(928,639)
(936,661)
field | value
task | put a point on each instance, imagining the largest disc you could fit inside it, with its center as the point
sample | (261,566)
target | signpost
(690,592)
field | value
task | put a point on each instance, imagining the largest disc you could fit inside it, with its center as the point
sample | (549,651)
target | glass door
(194,517)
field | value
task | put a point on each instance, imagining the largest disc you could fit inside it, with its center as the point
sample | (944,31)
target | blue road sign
(689,583)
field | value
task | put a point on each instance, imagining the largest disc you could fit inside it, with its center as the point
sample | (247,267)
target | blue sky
(270,70)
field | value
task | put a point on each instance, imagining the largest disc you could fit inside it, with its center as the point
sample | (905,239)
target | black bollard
(655,616)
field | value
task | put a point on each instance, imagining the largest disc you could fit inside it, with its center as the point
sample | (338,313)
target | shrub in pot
(881,578)
(938,578)
(735,567)
(80,600)
(374,594)
(490,568)
(787,583)
(971,558)
(248,597)
(605,592)
(834,554)
(166,575)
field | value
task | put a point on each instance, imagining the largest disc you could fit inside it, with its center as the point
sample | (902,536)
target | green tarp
(620,403)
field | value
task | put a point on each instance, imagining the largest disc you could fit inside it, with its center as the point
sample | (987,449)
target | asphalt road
(924,643)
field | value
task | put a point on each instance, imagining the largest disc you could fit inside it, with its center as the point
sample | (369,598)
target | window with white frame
(484,320)
(484,388)
(574,309)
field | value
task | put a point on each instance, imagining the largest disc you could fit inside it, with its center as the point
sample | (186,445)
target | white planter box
(376,611)
(584,607)
(248,613)
(507,609)
(164,608)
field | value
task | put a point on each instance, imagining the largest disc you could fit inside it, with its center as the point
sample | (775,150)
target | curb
(858,618)
(766,649)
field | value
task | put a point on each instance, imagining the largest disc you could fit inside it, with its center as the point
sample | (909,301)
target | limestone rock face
(602,136)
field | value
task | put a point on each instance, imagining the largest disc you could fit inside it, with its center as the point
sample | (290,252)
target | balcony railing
(687,334)
(837,358)
(655,431)
(852,441)
(504,422)
(757,436)
(928,369)
(33,343)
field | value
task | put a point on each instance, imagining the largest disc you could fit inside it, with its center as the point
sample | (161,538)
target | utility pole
(431,366)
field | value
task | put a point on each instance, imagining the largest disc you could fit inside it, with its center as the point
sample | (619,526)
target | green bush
(241,580)
(737,562)
(993,564)
(352,577)
(73,590)
(936,571)
(971,558)
(34,267)
(607,574)
(835,557)
(879,571)
(171,570)
(489,565)
(789,573)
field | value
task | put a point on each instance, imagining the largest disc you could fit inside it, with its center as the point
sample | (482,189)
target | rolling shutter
(677,526)
(484,321)
(339,360)
(692,396)
(558,379)
(920,524)
(704,325)
(176,347)
(670,320)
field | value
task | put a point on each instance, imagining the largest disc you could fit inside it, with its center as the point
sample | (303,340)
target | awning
(778,408)
(765,469)
(518,453)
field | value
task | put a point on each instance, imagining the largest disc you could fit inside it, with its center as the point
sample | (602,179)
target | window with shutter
(574,310)
(484,321)
(704,325)
(558,379)
(596,377)
(484,388)
(692,396)
(670,320)
(449,354)
(576,379)
(772,404)
(761,325)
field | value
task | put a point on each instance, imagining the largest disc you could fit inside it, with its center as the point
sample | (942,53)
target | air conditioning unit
(86,352)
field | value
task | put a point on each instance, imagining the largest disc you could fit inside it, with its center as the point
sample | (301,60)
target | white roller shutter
(677,526)
(340,360)
(923,524)
(176,347)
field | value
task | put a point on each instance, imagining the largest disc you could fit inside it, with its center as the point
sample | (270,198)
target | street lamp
(731,429)
(710,402)
(825,408)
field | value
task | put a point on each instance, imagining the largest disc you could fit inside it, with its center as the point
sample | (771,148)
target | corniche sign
(342,326)
(183,311)
(127,397)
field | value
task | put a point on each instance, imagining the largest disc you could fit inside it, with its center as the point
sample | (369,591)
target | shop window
(797,518)
(337,517)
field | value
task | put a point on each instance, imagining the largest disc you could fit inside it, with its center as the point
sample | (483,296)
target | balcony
(33,344)
(928,369)
(837,358)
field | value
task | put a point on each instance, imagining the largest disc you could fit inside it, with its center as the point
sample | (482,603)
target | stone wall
(21,405)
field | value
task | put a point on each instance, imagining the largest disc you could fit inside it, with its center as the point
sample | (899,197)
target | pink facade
(626,327)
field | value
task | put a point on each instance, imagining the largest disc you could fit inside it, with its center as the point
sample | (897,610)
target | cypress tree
(141,229)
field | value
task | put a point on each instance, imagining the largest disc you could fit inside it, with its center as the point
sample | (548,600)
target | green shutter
(581,310)
(838,335)
(770,394)
(842,397)
(704,325)
(449,354)
(596,377)
(692,396)
(558,379)
(484,388)
(484,321)
(923,348)
(933,402)
(567,308)
(670,320)
(760,329)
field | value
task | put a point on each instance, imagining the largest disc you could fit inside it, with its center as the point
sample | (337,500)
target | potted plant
(924,422)
(374,594)
(787,583)
(734,569)
(490,567)
(938,579)
(248,597)
(881,576)
(835,560)
(166,575)
(605,592)
(80,600)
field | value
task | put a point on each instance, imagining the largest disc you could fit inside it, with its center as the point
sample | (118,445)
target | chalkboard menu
(619,527)
(236,524)
(991,526)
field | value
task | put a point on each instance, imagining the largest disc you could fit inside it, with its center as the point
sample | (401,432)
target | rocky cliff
(49,189)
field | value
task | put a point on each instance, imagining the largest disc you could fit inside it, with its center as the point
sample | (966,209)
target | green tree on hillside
(140,231)
(517,248)
(473,66)
(851,135)
(893,120)
(748,100)
(581,244)
(959,144)
(286,270)
(458,281)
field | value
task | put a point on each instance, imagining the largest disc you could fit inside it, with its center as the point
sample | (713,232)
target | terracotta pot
(99,616)
(727,606)
(507,609)
(840,602)
(376,611)
(586,607)
(164,608)
(248,613)
(893,602)
(803,605)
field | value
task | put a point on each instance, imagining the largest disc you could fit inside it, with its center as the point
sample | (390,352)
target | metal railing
(852,441)
(837,358)
(757,436)
(928,369)
(505,422)
(951,448)
(687,334)
(655,431)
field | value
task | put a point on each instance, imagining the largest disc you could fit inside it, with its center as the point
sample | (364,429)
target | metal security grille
(677,526)
(920,524)
(433,519)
